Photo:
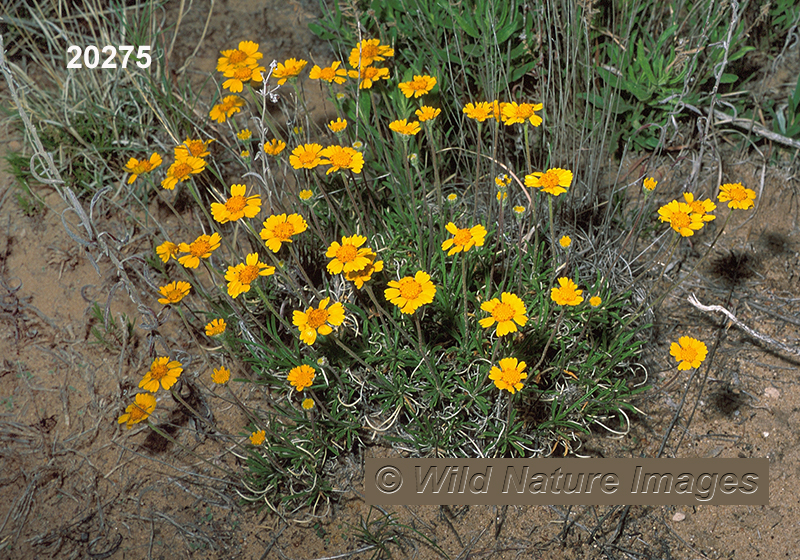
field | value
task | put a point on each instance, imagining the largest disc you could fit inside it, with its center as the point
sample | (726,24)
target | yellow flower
(338,125)
(519,210)
(237,206)
(162,371)
(342,157)
(245,153)
(369,74)
(567,293)
(280,228)
(200,248)
(358,145)
(737,196)
(689,352)
(231,105)
(143,406)
(368,51)
(347,257)
(318,320)
(221,375)
(330,74)
(244,134)
(426,113)
(497,110)
(700,207)
(274,146)
(358,277)
(216,327)
(452,197)
(509,375)
(258,437)
(519,113)
(301,377)
(650,183)
(554,181)
(565,241)
(167,250)
(239,74)
(240,277)
(680,217)
(595,301)
(306,194)
(297,130)
(478,111)
(306,156)
(417,87)
(136,167)
(501,195)
(192,148)
(506,311)
(289,69)
(463,239)
(308,404)
(247,54)
(182,170)
(403,127)
(174,292)
(411,293)
(502,180)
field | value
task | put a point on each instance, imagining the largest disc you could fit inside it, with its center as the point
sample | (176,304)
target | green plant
(111,333)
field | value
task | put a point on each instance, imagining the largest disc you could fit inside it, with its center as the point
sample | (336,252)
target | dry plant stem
(437,179)
(549,340)
(477,173)
(423,350)
(508,414)
(388,315)
(464,290)
(410,185)
(552,223)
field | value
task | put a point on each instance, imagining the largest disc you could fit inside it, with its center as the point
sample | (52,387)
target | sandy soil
(73,485)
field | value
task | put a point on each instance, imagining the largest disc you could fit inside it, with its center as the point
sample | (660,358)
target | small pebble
(772,393)
(679,517)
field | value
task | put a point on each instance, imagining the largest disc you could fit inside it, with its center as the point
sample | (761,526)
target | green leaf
(727,78)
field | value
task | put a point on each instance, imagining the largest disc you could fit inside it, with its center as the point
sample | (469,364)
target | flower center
(182,170)
(681,219)
(307,157)
(410,289)
(197,148)
(341,159)
(174,294)
(688,354)
(317,318)
(283,231)
(137,413)
(327,74)
(236,57)
(158,371)
(549,180)
(346,253)
(462,237)
(200,248)
(248,274)
(235,204)
(738,194)
(503,312)
(242,73)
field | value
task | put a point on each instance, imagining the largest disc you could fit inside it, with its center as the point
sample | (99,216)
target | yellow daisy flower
(479,111)
(244,134)
(330,74)
(308,404)
(280,228)
(305,194)
(306,156)
(567,293)
(502,180)
(301,377)
(230,105)
(162,371)
(136,167)
(258,437)
(649,183)
(342,157)
(368,75)
(403,127)
(347,256)
(508,312)
(358,277)
(411,293)
(368,51)
(192,148)
(240,277)
(288,69)
(274,147)
(565,241)
(338,125)
(200,248)
(174,292)
(238,75)
(452,197)
(689,352)
(700,207)
(220,375)
(554,181)
(142,407)
(519,210)
(216,327)
(518,113)
(463,239)
(237,206)
(595,301)
(182,170)
(167,250)
(509,375)
(426,113)
(737,196)
(680,217)
(417,87)
(247,53)
(318,320)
